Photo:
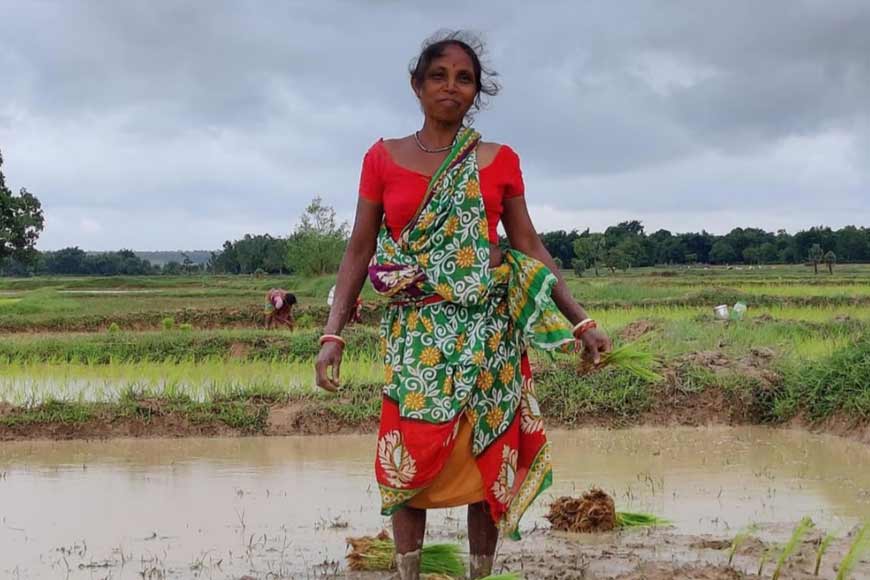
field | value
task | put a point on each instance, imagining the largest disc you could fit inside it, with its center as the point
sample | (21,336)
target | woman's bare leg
(482,539)
(409,527)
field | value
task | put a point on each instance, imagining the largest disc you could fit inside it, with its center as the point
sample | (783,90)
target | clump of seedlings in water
(377,554)
(805,525)
(824,544)
(859,545)
(639,520)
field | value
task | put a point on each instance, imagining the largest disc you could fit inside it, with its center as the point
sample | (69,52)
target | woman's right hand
(329,358)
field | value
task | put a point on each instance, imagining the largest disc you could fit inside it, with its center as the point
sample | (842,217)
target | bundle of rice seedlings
(595,511)
(859,544)
(377,554)
(442,559)
(638,519)
(633,360)
(796,536)
(369,553)
(824,543)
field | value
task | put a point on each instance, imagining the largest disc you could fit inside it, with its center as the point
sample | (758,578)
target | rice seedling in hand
(805,525)
(824,543)
(860,544)
(633,360)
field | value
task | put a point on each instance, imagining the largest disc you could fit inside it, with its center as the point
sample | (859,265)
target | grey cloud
(236,113)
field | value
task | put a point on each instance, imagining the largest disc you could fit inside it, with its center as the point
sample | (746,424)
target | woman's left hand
(594,342)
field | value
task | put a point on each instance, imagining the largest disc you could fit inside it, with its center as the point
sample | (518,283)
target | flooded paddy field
(281,507)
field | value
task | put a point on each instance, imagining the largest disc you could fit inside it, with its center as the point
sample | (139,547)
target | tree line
(627,245)
(318,241)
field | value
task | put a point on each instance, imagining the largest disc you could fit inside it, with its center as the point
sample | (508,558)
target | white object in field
(331,297)
(738,310)
(721,311)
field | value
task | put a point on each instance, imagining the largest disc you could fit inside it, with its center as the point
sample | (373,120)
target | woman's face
(449,86)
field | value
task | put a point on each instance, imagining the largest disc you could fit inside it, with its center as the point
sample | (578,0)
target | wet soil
(283,507)
(635,330)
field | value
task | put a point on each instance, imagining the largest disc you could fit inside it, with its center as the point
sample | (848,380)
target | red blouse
(401,190)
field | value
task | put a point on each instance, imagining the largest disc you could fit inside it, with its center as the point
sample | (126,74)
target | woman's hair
(433,47)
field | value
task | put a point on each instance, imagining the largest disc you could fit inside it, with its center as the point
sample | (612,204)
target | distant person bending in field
(279,308)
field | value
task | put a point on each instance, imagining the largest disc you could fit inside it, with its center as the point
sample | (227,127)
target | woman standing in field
(460,424)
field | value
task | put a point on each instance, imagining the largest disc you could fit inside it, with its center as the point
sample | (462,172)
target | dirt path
(157,418)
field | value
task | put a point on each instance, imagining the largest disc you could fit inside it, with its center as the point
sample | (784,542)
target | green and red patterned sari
(454,341)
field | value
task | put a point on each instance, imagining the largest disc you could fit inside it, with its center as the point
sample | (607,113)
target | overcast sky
(167,125)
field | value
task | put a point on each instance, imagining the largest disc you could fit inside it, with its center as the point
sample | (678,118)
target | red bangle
(332,338)
(588,326)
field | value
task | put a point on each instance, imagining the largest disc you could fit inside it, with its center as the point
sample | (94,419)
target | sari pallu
(454,342)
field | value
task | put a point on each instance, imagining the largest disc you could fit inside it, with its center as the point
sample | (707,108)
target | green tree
(21,220)
(589,250)
(187,265)
(816,254)
(560,244)
(318,243)
(853,244)
(631,252)
(722,252)
(767,253)
(66,261)
(172,268)
(752,254)
(830,259)
(617,258)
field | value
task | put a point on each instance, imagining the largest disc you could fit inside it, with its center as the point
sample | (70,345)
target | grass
(822,548)
(193,345)
(70,303)
(810,332)
(805,525)
(202,380)
(198,366)
(739,540)
(831,385)
(859,545)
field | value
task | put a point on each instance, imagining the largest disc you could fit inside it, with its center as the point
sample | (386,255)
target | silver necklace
(437,149)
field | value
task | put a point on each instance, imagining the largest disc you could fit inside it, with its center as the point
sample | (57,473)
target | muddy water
(221,508)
